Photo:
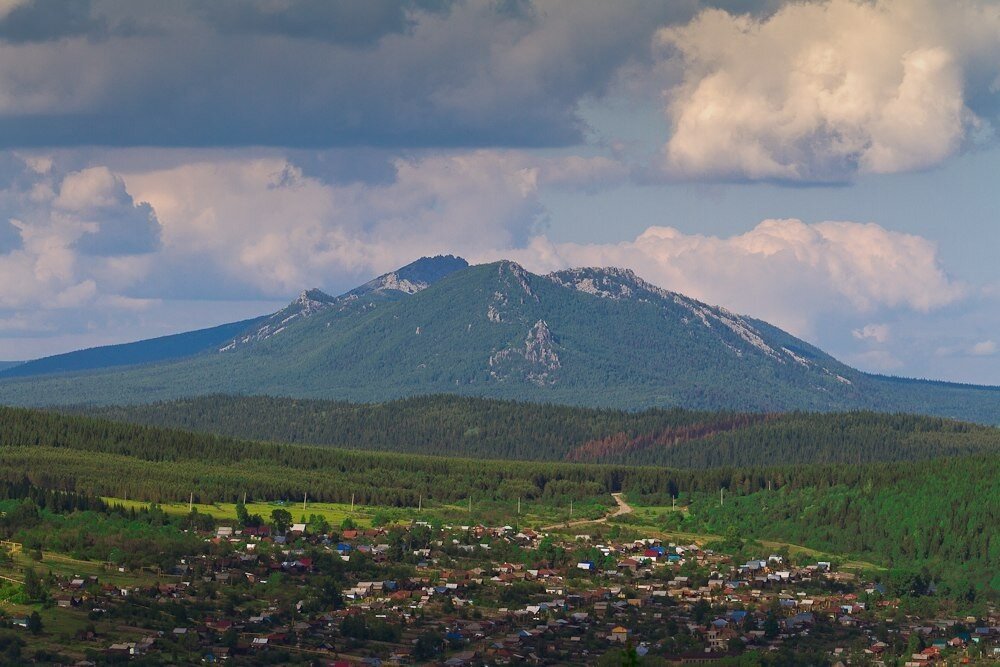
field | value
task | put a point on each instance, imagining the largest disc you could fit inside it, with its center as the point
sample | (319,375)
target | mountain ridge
(409,279)
(589,336)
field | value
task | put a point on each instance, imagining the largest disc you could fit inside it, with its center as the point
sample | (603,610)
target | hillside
(598,337)
(457,426)
(150,351)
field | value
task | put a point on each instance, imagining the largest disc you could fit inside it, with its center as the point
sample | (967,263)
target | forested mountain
(463,426)
(4,365)
(910,515)
(599,337)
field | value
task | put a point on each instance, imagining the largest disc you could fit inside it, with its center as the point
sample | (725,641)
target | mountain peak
(313,297)
(415,276)
(513,274)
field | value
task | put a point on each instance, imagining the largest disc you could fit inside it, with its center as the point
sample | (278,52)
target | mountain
(599,337)
(149,351)
(4,365)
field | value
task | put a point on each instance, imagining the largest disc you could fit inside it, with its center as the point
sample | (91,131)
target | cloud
(7,6)
(878,333)
(787,272)
(68,238)
(357,22)
(23,21)
(118,225)
(822,91)
(985,348)
(302,73)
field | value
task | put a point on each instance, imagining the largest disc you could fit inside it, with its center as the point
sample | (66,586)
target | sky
(829,167)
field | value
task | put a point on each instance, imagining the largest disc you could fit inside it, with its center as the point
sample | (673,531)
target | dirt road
(622,509)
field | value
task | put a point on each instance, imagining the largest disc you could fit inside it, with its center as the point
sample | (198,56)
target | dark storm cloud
(47,20)
(319,74)
(358,22)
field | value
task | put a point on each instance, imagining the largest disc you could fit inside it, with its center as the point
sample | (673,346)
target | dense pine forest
(475,427)
(117,459)
(936,523)
(938,515)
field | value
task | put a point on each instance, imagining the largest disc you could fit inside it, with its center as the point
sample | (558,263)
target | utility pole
(244,497)
(420,502)
(352,502)
(673,503)
(304,496)
(191,503)
(519,507)
(722,499)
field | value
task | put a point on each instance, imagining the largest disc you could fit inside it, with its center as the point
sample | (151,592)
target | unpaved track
(622,509)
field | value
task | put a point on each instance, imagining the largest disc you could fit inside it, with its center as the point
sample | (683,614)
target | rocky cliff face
(537,360)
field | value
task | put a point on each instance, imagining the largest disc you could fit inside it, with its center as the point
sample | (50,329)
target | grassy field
(64,566)
(532,515)
(335,513)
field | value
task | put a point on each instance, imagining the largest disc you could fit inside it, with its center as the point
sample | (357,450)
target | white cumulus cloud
(821,91)
(67,238)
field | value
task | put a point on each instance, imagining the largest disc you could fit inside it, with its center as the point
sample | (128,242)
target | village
(474,595)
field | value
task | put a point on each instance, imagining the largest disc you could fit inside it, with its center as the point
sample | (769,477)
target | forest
(936,527)
(476,427)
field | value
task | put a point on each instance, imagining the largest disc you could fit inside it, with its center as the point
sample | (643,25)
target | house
(619,634)
(630,564)
(718,638)
(460,659)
